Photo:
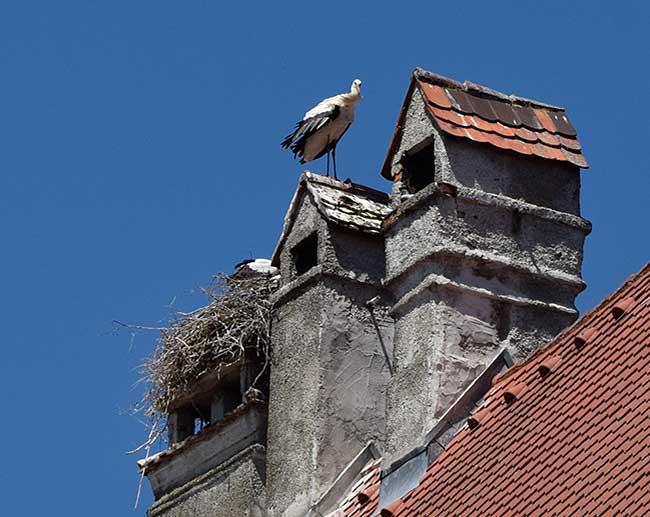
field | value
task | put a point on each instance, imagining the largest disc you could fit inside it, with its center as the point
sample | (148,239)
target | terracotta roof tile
(368,485)
(483,115)
(436,95)
(575,442)
(569,143)
(483,125)
(546,121)
(553,140)
(506,114)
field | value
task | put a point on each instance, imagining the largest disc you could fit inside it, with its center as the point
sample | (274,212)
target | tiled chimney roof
(469,110)
(573,442)
(341,202)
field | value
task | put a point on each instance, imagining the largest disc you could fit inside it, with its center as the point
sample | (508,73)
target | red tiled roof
(364,496)
(572,437)
(468,110)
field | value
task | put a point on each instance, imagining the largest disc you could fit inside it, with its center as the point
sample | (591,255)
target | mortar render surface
(355,255)
(234,489)
(443,340)
(294,420)
(466,228)
(474,273)
(295,374)
(329,372)
(355,373)
(328,384)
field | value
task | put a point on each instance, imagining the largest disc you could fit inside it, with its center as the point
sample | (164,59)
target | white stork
(323,126)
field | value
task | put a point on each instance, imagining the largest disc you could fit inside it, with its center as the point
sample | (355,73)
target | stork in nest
(323,126)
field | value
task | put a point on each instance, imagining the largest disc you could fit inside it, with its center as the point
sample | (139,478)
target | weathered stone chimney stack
(484,247)
(332,340)
(389,307)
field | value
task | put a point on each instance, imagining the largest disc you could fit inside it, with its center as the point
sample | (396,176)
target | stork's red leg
(328,164)
(334,160)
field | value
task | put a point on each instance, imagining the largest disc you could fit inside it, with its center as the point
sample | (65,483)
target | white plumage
(323,126)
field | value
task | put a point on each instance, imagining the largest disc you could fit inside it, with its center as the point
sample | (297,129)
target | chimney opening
(419,168)
(305,254)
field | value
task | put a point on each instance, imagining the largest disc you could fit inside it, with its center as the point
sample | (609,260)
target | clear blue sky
(139,155)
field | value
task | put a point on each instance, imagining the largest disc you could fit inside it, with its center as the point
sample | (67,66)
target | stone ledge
(255,452)
(292,289)
(434,280)
(486,199)
(504,262)
(210,448)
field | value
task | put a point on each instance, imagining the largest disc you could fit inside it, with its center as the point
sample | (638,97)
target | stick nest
(210,338)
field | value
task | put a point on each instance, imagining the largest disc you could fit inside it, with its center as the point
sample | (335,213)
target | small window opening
(187,421)
(305,254)
(201,415)
(225,399)
(419,168)
(199,424)
(231,396)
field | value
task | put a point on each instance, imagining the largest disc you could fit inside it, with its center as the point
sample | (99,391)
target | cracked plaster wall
(328,383)
(328,371)
(474,273)
(464,226)
(235,488)
(443,340)
(293,402)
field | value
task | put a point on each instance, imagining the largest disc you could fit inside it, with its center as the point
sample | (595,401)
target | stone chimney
(388,307)
(331,338)
(484,246)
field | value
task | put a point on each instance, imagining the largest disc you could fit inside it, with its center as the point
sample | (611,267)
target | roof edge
(581,321)
(397,133)
(288,220)
(469,86)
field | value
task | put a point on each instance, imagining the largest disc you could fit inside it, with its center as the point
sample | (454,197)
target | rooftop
(469,110)
(568,429)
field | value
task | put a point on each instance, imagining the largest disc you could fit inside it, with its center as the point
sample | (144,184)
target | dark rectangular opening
(305,254)
(419,168)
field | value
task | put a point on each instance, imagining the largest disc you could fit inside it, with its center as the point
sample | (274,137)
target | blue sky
(140,155)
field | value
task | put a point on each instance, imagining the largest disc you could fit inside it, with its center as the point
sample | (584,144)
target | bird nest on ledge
(207,340)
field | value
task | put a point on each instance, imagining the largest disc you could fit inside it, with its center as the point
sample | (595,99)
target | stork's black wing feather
(332,144)
(308,126)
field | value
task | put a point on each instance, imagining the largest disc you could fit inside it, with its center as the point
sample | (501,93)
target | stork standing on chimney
(323,126)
